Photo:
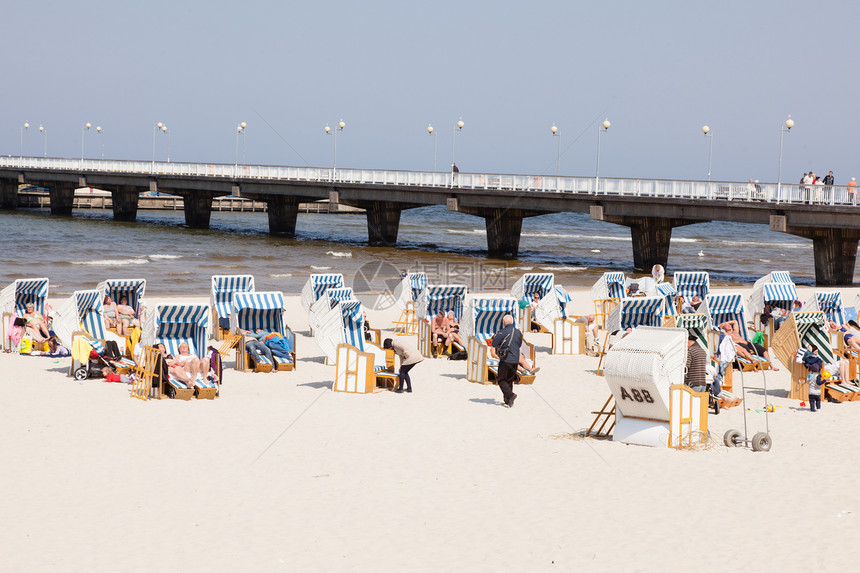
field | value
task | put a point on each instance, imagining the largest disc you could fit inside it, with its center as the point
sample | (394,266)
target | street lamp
(240,129)
(339,127)
(457,127)
(84,128)
(602,128)
(44,132)
(707,132)
(23,127)
(101,132)
(163,129)
(431,131)
(785,128)
(557,133)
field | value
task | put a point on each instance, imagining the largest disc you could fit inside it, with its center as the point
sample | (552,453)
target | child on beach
(814,364)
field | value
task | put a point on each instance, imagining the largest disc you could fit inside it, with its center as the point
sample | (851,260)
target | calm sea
(78,252)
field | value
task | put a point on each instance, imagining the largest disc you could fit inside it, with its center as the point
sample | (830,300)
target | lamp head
(164,128)
(243,125)
(239,129)
(41,128)
(341,124)
(26,125)
(606,124)
(705,129)
(159,125)
(553,129)
(429,129)
(789,123)
(460,124)
(88,125)
(99,128)
(327,129)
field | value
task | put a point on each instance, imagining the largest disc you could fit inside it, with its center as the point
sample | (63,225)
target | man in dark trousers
(506,345)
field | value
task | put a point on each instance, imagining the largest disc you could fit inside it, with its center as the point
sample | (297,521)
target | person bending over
(409,357)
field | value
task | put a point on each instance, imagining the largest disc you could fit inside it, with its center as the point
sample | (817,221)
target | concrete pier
(8,194)
(62,197)
(283,211)
(125,201)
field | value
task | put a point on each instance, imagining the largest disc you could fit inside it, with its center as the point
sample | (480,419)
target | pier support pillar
(504,227)
(62,198)
(8,194)
(835,252)
(283,211)
(383,223)
(651,237)
(124,199)
(198,209)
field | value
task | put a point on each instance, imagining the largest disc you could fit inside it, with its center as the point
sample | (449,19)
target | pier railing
(703,190)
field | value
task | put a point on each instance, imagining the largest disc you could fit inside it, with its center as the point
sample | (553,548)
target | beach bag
(26,345)
(504,346)
(459,355)
(215,368)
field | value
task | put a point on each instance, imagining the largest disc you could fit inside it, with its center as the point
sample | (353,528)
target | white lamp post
(163,129)
(23,127)
(707,132)
(556,133)
(457,127)
(44,133)
(785,128)
(339,127)
(84,129)
(240,129)
(101,132)
(602,128)
(431,131)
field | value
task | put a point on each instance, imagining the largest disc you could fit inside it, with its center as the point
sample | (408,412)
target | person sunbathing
(438,328)
(524,366)
(109,312)
(37,326)
(125,317)
(453,332)
(851,340)
(744,348)
(173,367)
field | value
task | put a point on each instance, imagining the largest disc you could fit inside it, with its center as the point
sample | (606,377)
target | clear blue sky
(658,70)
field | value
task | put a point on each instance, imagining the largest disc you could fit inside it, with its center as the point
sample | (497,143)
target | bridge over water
(650,208)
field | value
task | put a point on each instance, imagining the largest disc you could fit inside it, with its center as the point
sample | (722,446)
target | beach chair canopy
(326,302)
(812,329)
(633,312)
(775,289)
(533,283)
(223,288)
(668,292)
(610,285)
(551,307)
(172,324)
(133,289)
(691,283)
(16,296)
(409,288)
(440,298)
(482,315)
(254,310)
(695,323)
(81,311)
(722,308)
(830,303)
(343,323)
(317,285)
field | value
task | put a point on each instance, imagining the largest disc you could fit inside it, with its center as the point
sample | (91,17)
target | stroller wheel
(81,373)
(761,442)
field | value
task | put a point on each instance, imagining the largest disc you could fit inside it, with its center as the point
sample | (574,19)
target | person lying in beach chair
(849,335)
(748,351)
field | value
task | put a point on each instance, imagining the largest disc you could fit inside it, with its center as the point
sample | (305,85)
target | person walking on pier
(852,189)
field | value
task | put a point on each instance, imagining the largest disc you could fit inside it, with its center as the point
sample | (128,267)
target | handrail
(658,188)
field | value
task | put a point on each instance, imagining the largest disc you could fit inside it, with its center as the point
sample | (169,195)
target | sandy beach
(282,474)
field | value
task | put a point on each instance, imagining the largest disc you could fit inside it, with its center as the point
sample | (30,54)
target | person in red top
(852,189)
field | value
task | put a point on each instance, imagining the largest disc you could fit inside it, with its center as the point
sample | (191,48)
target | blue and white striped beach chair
(221,297)
(524,291)
(406,293)
(482,319)
(432,300)
(638,311)
(359,365)
(830,303)
(14,300)
(173,324)
(316,285)
(325,302)
(605,294)
(132,289)
(691,283)
(725,307)
(254,310)
(775,289)
(668,292)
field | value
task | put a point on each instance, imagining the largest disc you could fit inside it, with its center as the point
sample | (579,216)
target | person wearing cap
(697,365)
(852,188)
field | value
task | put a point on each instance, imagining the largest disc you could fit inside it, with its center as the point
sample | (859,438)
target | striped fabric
(691,283)
(830,303)
(812,329)
(668,292)
(482,316)
(644,311)
(782,295)
(133,289)
(89,309)
(417,282)
(610,285)
(336,295)
(20,293)
(253,310)
(172,324)
(353,323)
(322,282)
(223,288)
(695,323)
(724,307)
(781,277)
(563,297)
(531,284)
(440,298)
(775,289)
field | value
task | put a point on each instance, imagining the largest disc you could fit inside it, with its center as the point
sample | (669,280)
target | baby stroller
(91,356)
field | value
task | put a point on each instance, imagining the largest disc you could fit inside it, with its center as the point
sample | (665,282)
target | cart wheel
(171,392)
(731,438)
(81,373)
(761,442)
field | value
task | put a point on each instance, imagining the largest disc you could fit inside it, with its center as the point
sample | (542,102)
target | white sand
(281,473)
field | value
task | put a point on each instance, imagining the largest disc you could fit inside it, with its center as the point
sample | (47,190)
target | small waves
(168,257)
(111,262)
(339,253)
(320,268)
(563,268)
(281,275)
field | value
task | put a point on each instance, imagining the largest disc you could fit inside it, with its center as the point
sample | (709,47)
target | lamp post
(155,129)
(602,128)
(23,127)
(457,127)
(707,132)
(431,131)
(44,133)
(101,132)
(557,133)
(339,127)
(84,129)
(785,128)
(240,129)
